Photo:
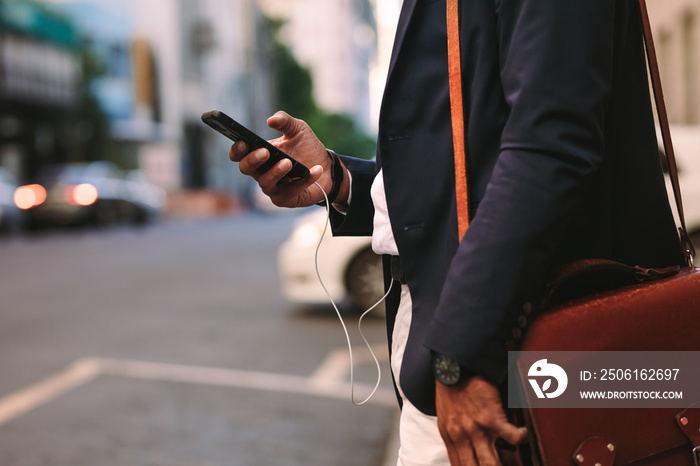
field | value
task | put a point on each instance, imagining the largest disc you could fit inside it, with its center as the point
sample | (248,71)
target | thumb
(284,123)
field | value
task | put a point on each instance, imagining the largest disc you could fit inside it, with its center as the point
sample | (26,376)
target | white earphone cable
(342,322)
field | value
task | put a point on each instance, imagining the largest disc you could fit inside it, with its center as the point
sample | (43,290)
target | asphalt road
(171,345)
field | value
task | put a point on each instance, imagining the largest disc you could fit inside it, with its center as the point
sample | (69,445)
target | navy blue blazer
(563,164)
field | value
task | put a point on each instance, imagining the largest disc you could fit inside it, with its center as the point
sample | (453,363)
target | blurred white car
(350,270)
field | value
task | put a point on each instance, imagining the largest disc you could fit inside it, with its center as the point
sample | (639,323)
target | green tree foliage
(340,132)
(293,92)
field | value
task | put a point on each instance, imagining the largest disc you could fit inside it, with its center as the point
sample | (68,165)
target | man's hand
(471,418)
(300,142)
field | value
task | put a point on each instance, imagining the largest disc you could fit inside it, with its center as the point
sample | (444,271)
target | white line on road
(336,367)
(75,375)
(87,369)
(235,378)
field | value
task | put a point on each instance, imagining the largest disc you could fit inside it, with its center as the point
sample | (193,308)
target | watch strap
(337,177)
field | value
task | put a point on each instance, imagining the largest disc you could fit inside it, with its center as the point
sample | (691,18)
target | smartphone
(237,132)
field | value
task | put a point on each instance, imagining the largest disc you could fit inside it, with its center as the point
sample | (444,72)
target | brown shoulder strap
(686,245)
(457,110)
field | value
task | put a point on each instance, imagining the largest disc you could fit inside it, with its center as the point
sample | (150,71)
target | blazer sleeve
(358,220)
(556,67)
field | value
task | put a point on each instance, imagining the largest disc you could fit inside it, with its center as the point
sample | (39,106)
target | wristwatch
(446,370)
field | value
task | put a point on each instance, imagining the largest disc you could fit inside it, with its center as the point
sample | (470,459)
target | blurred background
(155,308)
(126,82)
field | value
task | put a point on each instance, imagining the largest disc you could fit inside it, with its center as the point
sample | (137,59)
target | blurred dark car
(10,215)
(97,193)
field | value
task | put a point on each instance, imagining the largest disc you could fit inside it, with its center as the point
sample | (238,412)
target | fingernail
(261,155)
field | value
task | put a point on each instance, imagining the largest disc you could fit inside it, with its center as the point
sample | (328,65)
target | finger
(304,190)
(298,193)
(276,177)
(273,176)
(252,161)
(512,434)
(484,449)
(237,151)
(453,456)
(460,451)
(466,454)
(286,124)
(452,451)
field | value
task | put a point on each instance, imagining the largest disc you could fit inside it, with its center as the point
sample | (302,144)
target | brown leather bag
(632,318)
(598,305)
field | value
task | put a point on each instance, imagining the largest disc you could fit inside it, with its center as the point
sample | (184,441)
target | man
(562,165)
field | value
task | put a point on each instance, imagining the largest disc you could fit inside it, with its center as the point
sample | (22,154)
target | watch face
(446,370)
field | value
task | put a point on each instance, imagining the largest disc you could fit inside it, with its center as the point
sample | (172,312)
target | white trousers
(420,441)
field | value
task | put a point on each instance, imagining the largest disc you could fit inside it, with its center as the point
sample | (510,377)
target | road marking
(85,370)
(23,401)
(336,367)
(236,378)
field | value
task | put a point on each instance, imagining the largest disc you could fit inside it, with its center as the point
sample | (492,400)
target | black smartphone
(237,132)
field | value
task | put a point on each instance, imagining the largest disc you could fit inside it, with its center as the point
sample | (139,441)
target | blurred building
(165,63)
(221,67)
(676,26)
(337,41)
(40,77)
(153,67)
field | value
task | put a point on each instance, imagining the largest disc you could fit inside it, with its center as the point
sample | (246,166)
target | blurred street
(171,345)
(142,321)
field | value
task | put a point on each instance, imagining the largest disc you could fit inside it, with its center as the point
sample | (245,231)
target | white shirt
(383,241)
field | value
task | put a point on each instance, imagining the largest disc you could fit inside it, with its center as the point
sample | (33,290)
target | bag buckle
(696,455)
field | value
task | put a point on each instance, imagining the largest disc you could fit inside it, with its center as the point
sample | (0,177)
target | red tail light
(29,196)
(81,195)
